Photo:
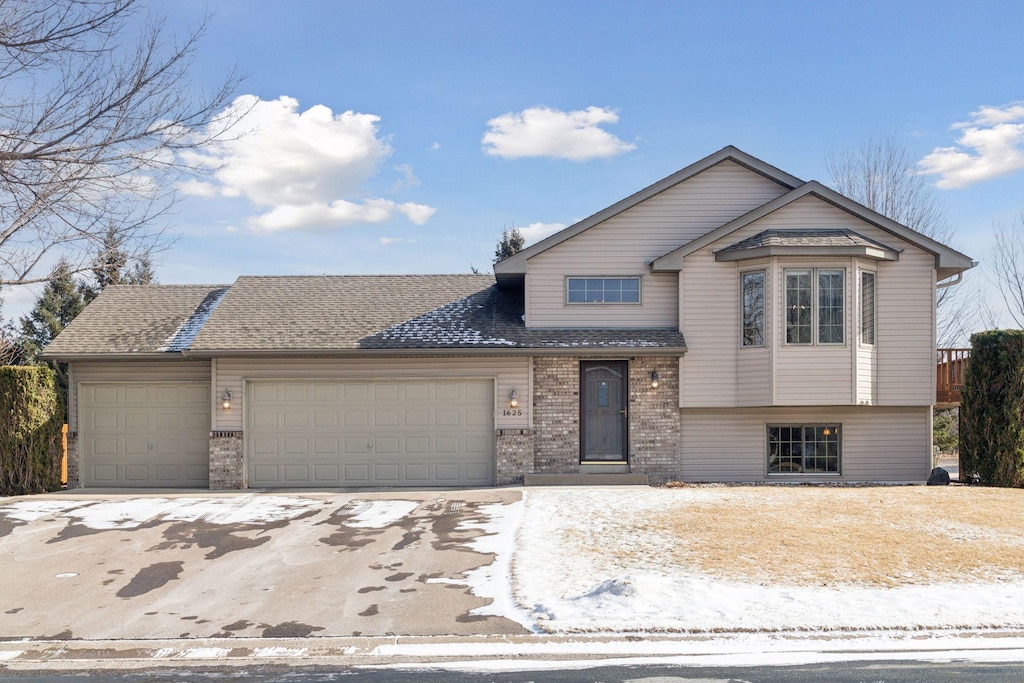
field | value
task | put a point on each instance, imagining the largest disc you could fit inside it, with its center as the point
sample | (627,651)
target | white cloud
(396,240)
(544,132)
(306,169)
(535,232)
(338,213)
(991,144)
(434,146)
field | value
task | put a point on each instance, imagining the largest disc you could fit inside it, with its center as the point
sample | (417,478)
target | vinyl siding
(509,373)
(623,246)
(901,372)
(891,444)
(131,371)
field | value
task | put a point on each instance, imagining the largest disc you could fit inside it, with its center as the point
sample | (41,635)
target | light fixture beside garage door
(513,398)
(225,400)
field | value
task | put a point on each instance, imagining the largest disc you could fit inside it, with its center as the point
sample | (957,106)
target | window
(603,290)
(752,285)
(803,449)
(802,317)
(867,307)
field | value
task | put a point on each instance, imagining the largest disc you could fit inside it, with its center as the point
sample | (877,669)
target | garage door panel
(389,433)
(136,421)
(138,434)
(385,472)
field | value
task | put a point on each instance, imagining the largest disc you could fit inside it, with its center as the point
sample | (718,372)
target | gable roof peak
(513,268)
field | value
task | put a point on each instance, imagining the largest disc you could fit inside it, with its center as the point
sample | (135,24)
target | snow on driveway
(578,568)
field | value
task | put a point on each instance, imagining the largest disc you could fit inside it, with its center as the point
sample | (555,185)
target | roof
(948,261)
(807,243)
(512,269)
(336,315)
(137,320)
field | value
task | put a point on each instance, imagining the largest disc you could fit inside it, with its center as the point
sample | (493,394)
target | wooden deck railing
(949,375)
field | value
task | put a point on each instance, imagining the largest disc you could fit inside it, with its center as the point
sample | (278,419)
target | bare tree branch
(1006,266)
(92,123)
(882,175)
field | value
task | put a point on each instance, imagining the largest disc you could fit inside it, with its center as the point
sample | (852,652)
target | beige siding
(509,373)
(754,382)
(624,244)
(132,371)
(890,444)
(901,371)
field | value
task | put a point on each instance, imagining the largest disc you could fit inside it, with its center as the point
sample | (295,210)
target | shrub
(992,409)
(31,417)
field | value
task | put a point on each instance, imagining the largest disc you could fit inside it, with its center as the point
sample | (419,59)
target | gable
(512,270)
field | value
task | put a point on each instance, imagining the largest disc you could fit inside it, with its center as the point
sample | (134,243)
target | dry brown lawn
(872,536)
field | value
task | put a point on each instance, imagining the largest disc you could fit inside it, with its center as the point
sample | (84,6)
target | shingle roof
(137,319)
(332,314)
(325,312)
(806,238)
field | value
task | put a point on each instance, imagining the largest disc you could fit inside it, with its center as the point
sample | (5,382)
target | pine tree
(61,301)
(511,242)
(114,266)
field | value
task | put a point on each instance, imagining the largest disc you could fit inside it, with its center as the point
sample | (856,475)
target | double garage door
(351,433)
(145,434)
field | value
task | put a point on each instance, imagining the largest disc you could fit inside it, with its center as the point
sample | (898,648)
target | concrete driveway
(250,564)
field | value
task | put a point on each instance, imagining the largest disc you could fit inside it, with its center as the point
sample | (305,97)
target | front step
(617,479)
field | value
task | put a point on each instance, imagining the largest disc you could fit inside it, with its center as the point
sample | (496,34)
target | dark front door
(603,410)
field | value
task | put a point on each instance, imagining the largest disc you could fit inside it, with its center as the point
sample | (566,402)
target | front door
(603,411)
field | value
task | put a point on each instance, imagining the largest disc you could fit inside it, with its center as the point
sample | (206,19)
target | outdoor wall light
(654,380)
(513,398)
(225,400)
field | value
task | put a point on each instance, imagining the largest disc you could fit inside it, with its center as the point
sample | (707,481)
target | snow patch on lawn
(569,587)
(381,514)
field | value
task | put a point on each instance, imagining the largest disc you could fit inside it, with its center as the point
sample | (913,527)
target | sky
(403,137)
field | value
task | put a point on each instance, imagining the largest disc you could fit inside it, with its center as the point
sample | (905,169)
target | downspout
(958,278)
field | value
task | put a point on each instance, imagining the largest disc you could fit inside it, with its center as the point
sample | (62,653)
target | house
(728,323)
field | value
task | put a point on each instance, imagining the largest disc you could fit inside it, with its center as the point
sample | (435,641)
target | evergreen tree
(511,242)
(114,266)
(61,301)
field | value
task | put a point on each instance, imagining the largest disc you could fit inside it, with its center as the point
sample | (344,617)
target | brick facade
(227,470)
(514,456)
(74,467)
(654,427)
(556,414)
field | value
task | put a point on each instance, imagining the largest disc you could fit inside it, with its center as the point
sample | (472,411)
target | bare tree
(93,124)
(882,175)
(1006,267)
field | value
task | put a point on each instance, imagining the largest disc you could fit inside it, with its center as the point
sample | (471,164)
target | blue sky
(402,136)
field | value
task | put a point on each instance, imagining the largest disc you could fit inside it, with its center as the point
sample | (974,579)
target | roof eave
(114,355)
(579,350)
(841,252)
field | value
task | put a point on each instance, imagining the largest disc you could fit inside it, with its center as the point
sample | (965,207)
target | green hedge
(31,417)
(992,409)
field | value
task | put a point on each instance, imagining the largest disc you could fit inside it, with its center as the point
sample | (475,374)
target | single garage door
(145,434)
(397,433)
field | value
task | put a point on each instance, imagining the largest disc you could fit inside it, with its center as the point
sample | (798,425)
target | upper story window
(752,303)
(602,290)
(815,306)
(867,307)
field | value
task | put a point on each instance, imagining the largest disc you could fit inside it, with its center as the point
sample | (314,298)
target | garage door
(402,433)
(138,434)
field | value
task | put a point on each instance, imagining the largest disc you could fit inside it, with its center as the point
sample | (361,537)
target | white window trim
(640,290)
(860,309)
(814,306)
(764,311)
